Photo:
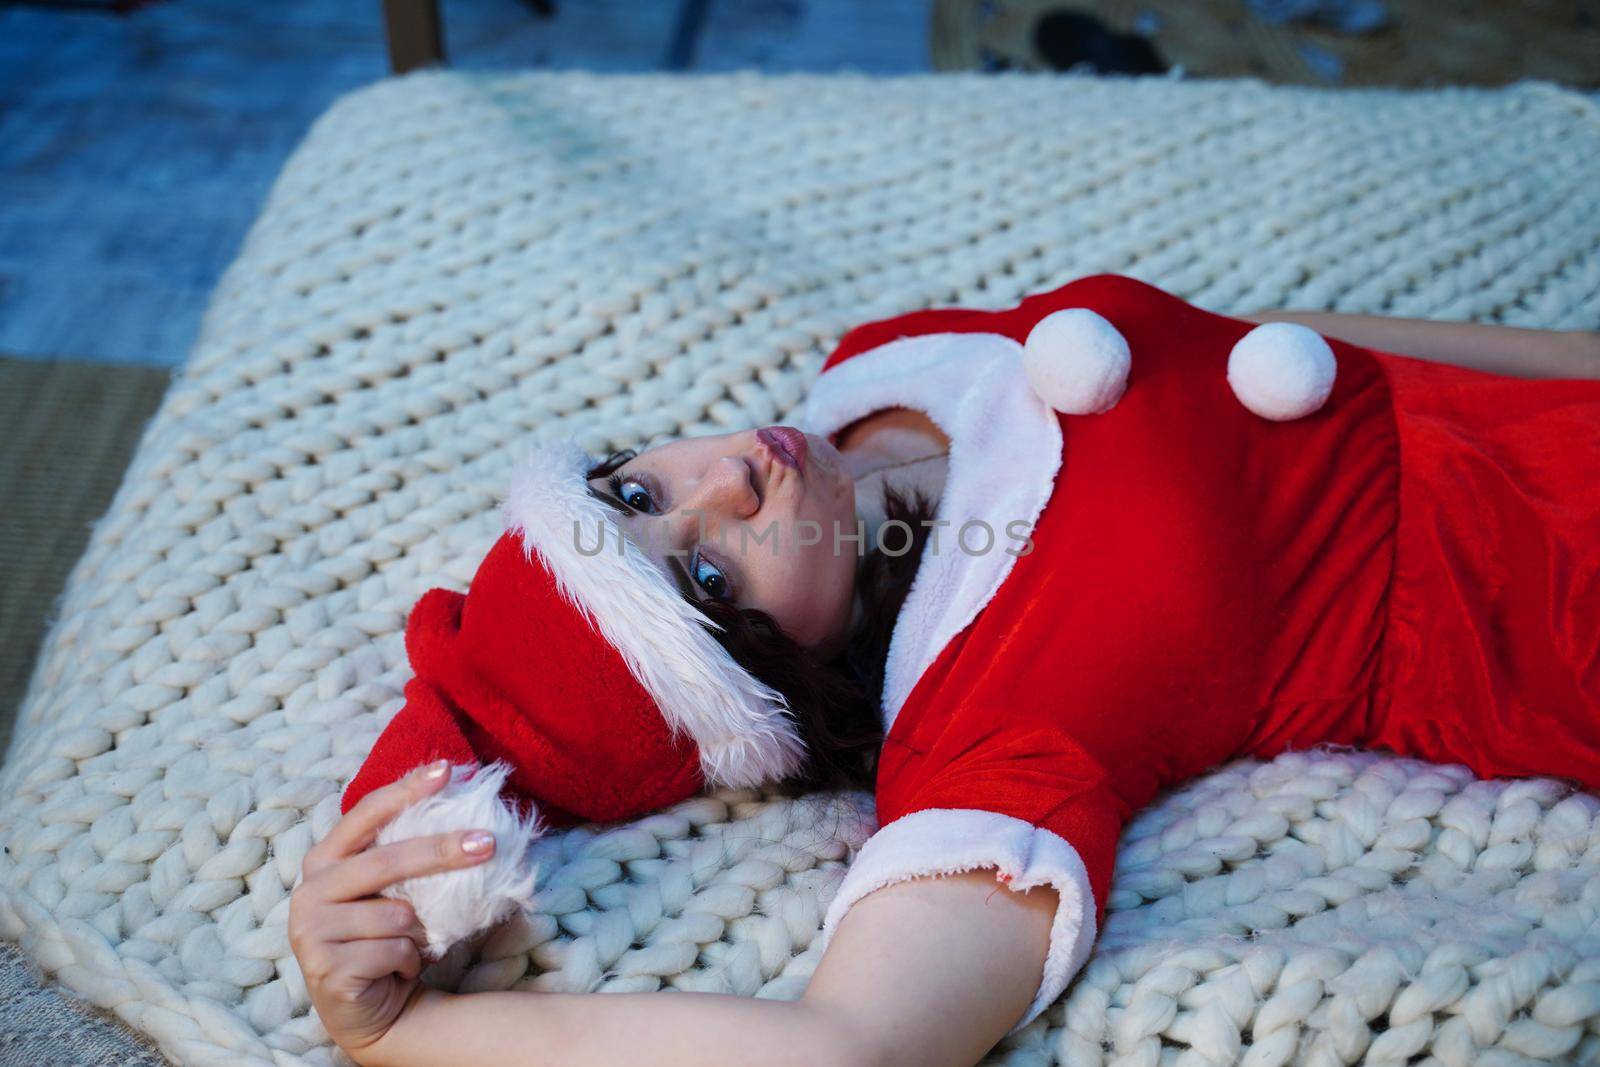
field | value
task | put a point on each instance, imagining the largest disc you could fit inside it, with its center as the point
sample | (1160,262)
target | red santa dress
(1414,567)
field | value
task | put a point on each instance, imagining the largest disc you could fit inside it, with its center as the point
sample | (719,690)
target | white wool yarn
(1282,370)
(453,263)
(454,905)
(1076,361)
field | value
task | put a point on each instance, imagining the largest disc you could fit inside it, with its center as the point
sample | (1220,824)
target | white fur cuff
(454,905)
(950,840)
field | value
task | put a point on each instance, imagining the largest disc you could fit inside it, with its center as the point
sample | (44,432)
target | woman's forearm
(924,972)
(1510,350)
(674,1029)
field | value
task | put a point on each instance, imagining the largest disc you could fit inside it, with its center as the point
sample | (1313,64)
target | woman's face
(748,517)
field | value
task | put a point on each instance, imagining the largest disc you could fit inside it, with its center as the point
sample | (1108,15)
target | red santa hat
(577,671)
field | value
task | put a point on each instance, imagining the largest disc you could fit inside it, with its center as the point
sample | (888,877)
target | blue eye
(632,493)
(709,578)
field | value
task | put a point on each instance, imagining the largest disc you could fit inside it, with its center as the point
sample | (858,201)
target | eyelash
(617,481)
(728,592)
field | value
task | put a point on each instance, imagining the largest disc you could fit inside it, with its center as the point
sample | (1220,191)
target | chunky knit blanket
(451,263)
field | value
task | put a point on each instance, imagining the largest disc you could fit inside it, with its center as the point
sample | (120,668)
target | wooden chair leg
(416,38)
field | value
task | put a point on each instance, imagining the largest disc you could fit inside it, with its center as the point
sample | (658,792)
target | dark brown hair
(835,699)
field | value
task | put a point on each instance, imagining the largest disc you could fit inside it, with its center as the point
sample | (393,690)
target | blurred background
(138,139)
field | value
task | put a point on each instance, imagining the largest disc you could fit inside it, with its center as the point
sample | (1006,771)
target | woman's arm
(922,972)
(1509,350)
(928,970)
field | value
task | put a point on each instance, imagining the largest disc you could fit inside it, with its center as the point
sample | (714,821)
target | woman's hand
(361,953)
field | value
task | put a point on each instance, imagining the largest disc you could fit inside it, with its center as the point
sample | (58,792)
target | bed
(452,262)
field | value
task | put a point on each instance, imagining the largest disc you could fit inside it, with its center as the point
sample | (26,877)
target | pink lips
(788,445)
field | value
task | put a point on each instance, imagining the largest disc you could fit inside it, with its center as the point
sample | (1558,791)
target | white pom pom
(1076,361)
(1282,370)
(454,905)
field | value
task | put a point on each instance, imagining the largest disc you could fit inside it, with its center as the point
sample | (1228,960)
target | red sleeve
(1037,773)
(1024,799)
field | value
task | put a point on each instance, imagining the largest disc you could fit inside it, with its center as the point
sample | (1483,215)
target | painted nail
(477,841)
(437,769)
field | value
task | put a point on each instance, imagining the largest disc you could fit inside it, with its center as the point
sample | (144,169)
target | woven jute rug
(69,429)
(451,263)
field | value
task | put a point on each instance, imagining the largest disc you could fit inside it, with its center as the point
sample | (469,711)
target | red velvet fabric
(511,671)
(1413,568)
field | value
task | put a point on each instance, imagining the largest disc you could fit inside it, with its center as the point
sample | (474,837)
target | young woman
(1164,584)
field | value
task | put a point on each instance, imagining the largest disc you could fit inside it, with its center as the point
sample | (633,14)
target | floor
(135,150)
(70,429)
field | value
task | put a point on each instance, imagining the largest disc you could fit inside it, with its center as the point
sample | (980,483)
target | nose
(726,490)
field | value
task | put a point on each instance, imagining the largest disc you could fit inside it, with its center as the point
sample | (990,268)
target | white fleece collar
(1005,450)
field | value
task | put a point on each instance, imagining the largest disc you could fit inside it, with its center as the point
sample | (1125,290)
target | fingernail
(437,769)
(477,841)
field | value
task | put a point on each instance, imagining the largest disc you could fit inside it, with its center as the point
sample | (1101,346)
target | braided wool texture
(453,262)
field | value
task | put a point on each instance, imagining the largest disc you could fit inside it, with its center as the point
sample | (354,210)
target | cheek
(825,584)
(809,588)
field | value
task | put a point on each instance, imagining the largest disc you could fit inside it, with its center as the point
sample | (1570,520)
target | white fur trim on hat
(1076,361)
(1282,370)
(744,729)
(453,905)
